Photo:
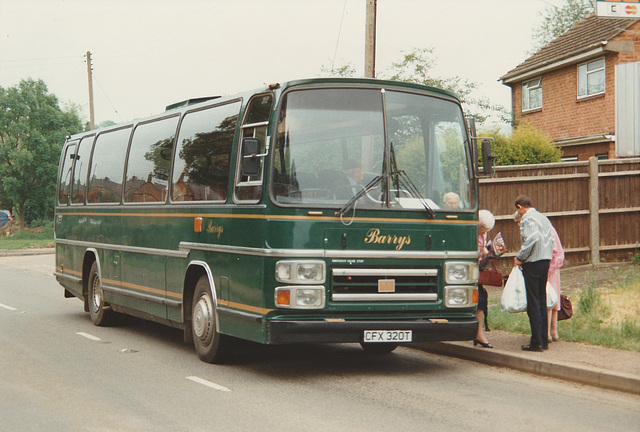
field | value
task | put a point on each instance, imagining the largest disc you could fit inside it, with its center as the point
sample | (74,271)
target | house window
(591,78)
(532,94)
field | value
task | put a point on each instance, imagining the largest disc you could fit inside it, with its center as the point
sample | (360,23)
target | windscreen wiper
(365,190)
(400,178)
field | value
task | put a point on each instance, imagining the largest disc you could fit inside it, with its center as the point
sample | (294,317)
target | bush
(526,145)
(532,146)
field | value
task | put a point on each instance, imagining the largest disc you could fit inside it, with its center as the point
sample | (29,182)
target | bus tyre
(100,312)
(209,343)
(378,348)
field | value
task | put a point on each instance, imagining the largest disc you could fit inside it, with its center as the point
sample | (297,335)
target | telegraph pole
(370,40)
(92,121)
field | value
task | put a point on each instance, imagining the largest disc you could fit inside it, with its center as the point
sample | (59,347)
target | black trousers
(535,281)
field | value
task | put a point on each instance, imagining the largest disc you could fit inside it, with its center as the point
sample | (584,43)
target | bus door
(246,270)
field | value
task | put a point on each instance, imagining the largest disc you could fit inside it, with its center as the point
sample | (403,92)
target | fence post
(594,208)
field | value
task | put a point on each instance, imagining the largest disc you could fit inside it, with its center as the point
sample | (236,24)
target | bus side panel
(65,265)
(143,274)
(246,304)
(176,269)
(69,258)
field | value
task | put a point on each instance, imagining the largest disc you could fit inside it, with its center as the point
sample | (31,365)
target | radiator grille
(364,284)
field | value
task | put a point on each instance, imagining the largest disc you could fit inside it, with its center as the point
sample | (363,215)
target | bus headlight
(460,296)
(307,297)
(460,272)
(300,272)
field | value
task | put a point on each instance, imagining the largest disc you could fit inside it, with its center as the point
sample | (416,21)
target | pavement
(586,364)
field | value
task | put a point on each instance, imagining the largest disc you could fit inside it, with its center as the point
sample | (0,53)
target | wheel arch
(195,270)
(90,256)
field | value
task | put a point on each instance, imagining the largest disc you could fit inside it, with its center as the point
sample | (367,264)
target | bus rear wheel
(210,344)
(100,312)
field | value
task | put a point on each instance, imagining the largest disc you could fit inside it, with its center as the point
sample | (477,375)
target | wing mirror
(487,157)
(250,163)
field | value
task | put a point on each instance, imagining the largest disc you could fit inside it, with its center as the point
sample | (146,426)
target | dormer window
(532,94)
(591,78)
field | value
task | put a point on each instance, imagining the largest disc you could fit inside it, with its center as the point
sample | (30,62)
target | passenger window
(81,169)
(150,160)
(255,125)
(107,166)
(201,165)
(66,171)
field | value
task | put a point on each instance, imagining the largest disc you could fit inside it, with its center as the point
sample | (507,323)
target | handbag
(491,277)
(566,308)
(514,295)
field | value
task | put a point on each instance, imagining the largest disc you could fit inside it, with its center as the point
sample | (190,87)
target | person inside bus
(451,200)
(355,173)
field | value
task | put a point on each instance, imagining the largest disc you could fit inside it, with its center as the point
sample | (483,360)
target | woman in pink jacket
(553,278)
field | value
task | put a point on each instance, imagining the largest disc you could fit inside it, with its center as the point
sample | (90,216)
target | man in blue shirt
(534,257)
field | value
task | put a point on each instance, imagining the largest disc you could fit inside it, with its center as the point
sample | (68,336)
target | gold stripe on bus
(65,271)
(244,307)
(143,288)
(369,219)
(234,305)
(272,217)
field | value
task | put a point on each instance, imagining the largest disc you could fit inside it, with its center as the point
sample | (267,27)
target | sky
(147,54)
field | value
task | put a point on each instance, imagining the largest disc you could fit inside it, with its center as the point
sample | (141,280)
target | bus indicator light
(197,224)
(283,297)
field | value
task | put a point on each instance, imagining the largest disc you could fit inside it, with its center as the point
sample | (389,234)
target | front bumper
(352,331)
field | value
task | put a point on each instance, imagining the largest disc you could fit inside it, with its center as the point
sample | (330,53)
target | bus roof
(332,81)
(374,82)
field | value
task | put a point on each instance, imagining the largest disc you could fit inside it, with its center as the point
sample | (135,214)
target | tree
(559,19)
(417,67)
(342,71)
(527,145)
(33,128)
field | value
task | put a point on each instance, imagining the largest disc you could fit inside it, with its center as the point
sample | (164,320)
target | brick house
(568,89)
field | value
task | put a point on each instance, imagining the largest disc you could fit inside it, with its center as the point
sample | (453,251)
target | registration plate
(388,335)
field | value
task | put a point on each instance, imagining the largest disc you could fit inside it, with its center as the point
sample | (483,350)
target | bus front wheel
(100,312)
(209,343)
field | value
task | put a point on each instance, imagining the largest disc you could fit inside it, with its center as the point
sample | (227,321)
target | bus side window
(149,161)
(79,186)
(107,166)
(254,125)
(201,166)
(66,170)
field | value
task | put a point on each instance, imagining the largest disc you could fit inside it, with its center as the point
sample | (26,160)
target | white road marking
(7,307)
(208,383)
(88,336)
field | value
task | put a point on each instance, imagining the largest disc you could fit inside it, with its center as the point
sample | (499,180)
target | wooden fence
(594,206)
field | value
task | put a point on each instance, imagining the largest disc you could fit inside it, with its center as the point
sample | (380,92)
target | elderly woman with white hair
(486,222)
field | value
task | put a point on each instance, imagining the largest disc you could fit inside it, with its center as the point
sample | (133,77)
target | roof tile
(588,34)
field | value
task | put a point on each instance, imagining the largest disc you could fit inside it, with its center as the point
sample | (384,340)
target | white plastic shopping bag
(514,296)
(552,296)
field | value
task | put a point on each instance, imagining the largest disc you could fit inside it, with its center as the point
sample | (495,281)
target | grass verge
(40,237)
(604,313)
